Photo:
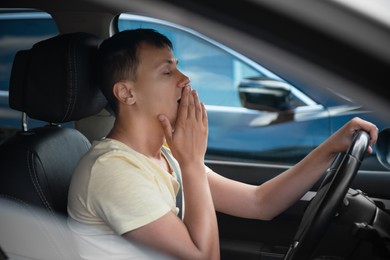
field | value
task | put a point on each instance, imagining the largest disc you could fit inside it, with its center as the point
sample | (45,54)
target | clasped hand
(187,139)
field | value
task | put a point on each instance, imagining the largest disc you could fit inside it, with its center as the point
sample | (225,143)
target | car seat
(52,82)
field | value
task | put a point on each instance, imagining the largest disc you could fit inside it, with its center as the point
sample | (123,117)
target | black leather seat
(53,82)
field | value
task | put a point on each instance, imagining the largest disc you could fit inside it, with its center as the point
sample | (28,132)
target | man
(126,186)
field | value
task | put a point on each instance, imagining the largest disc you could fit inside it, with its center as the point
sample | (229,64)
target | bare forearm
(281,192)
(276,195)
(200,218)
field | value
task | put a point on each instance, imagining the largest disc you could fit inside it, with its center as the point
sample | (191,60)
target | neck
(143,136)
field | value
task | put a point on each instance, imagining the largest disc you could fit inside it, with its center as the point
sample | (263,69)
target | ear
(123,91)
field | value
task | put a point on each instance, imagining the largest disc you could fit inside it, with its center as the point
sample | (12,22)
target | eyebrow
(168,61)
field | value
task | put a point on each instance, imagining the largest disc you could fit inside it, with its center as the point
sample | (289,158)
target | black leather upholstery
(53,82)
(58,82)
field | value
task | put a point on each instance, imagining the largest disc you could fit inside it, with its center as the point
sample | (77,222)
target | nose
(184,81)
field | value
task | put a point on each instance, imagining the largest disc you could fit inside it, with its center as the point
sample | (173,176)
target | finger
(198,107)
(371,129)
(204,115)
(191,105)
(167,127)
(373,138)
(183,106)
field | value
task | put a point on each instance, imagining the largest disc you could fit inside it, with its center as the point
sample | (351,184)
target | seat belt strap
(179,195)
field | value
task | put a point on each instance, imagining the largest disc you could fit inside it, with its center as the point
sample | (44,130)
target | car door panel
(254,238)
(236,231)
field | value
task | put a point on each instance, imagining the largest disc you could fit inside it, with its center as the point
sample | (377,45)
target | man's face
(159,83)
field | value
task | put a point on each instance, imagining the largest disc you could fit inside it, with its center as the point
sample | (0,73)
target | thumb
(167,127)
(369,149)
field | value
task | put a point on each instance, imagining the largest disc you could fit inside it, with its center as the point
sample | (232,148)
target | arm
(276,195)
(197,236)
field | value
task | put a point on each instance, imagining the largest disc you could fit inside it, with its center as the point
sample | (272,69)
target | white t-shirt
(114,190)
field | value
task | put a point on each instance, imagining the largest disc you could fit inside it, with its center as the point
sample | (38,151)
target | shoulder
(110,163)
(111,153)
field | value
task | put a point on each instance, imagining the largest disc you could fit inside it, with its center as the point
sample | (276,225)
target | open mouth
(178,101)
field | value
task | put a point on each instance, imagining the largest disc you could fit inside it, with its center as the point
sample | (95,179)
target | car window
(214,70)
(19,30)
(245,101)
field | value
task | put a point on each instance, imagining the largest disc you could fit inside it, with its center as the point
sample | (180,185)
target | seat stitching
(72,81)
(35,181)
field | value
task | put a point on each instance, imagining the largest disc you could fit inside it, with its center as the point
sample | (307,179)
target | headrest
(55,81)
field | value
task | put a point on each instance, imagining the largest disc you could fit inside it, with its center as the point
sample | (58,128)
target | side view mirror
(265,94)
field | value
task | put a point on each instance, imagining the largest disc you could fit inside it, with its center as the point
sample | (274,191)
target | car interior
(37,164)
(50,152)
(55,82)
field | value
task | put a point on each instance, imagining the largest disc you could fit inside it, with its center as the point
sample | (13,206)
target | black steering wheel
(329,197)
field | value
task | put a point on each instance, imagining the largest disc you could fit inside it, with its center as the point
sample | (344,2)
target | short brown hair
(118,58)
